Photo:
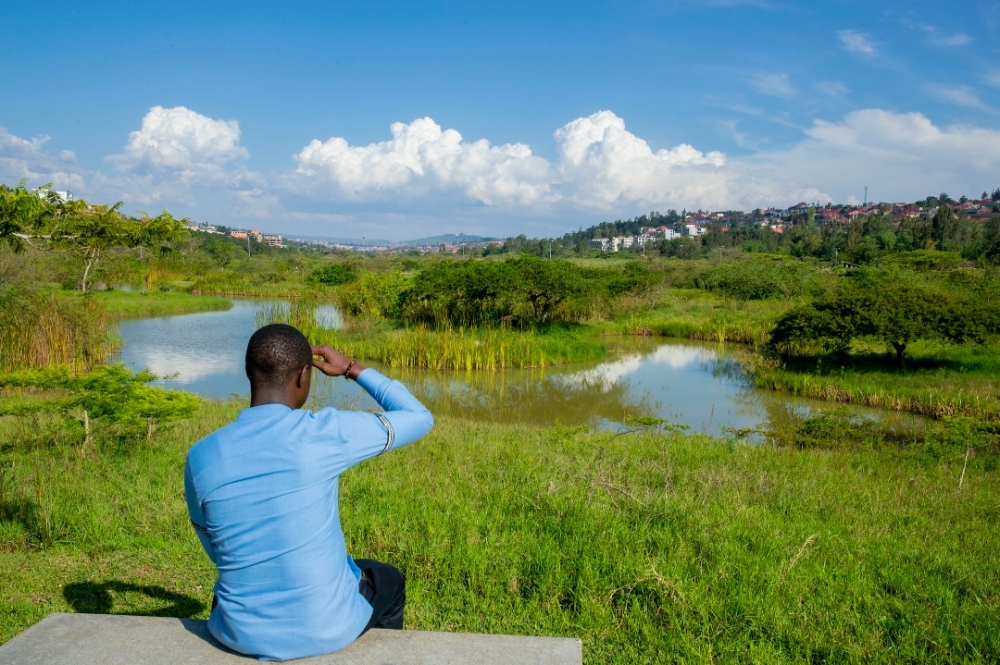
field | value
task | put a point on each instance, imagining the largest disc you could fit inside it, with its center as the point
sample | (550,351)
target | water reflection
(202,352)
(328,317)
(700,386)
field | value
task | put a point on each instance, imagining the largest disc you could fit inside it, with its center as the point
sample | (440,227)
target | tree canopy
(42,220)
(523,290)
(884,306)
(23,212)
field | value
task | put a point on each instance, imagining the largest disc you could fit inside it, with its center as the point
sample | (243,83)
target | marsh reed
(488,348)
(39,329)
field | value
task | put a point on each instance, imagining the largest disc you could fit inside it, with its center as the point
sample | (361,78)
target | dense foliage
(334,274)
(87,232)
(866,238)
(38,329)
(759,280)
(523,290)
(886,306)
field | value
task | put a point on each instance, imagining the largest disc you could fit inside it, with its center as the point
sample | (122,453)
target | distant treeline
(865,239)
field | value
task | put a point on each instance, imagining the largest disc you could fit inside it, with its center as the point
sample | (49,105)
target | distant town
(606,237)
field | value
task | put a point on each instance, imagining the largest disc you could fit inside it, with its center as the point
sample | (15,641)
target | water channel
(697,385)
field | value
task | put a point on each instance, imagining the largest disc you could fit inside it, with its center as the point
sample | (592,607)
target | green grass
(938,380)
(699,315)
(650,548)
(38,329)
(140,304)
(487,349)
(258,285)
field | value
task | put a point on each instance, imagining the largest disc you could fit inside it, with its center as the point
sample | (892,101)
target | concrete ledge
(108,639)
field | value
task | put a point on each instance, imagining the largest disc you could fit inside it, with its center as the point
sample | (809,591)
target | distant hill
(444,239)
(447,238)
(342,241)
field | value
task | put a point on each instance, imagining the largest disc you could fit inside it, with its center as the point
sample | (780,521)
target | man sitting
(262,495)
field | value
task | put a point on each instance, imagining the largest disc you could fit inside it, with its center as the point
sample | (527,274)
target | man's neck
(260,398)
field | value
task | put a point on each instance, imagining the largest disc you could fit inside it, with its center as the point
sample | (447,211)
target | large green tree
(887,307)
(23,213)
(40,219)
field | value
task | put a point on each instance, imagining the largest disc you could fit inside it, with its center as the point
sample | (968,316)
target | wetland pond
(699,386)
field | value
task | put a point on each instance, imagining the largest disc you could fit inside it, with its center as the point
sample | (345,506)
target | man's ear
(302,376)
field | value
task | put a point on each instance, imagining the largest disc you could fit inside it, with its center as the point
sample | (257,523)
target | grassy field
(699,315)
(938,381)
(652,548)
(142,304)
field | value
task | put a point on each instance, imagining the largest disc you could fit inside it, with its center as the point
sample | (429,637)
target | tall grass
(443,348)
(651,548)
(256,285)
(141,304)
(941,391)
(696,315)
(38,329)
(302,315)
(466,349)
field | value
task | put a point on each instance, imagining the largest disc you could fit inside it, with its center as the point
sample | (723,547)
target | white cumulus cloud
(179,138)
(603,165)
(425,176)
(900,156)
(422,157)
(28,159)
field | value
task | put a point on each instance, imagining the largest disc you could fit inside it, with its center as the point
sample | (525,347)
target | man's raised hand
(333,363)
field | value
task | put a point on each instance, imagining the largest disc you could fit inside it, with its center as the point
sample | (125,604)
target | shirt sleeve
(404,420)
(196,514)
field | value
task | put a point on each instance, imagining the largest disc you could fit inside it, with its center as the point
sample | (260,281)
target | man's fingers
(330,360)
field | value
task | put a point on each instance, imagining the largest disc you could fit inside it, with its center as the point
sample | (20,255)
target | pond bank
(940,381)
(690,384)
(124,305)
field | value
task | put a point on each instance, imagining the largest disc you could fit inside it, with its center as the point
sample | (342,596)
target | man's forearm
(408,419)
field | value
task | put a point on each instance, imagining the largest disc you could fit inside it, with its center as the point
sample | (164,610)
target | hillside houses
(649,235)
(780,220)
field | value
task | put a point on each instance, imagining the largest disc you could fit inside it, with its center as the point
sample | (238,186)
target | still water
(696,385)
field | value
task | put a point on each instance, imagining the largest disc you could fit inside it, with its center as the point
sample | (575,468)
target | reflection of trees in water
(533,397)
(632,383)
(779,411)
(729,369)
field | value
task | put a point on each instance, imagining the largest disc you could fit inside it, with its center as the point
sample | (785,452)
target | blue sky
(402,120)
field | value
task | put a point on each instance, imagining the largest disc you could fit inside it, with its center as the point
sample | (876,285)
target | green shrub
(373,294)
(334,274)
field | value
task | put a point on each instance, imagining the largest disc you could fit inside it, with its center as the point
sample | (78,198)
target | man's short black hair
(275,353)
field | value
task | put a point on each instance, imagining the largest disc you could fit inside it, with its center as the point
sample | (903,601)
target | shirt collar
(263,411)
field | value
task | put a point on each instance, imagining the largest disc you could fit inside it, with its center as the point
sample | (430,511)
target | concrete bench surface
(108,639)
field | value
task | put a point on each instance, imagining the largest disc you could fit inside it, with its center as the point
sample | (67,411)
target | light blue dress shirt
(262,495)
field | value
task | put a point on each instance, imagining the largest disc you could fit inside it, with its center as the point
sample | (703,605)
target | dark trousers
(384,587)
